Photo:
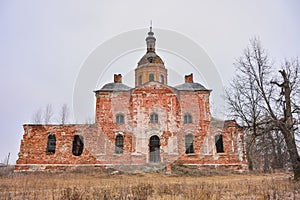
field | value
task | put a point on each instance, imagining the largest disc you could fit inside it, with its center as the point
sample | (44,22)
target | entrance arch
(154,149)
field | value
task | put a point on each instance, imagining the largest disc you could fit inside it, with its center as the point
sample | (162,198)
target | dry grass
(99,184)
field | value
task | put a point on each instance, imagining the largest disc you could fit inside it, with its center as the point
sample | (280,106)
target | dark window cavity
(189,144)
(151,77)
(140,80)
(187,119)
(150,59)
(154,148)
(51,144)
(162,79)
(77,147)
(120,119)
(219,143)
(119,144)
(154,118)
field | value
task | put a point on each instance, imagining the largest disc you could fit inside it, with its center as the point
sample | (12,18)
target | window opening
(120,119)
(154,118)
(189,144)
(51,144)
(119,144)
(151,77)
(219,143)
(187,119)
(77,147)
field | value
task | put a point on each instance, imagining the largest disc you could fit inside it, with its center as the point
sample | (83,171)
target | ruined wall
(137,105)
(234,153)
(33,149)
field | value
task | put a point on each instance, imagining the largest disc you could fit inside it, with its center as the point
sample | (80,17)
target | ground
(109,184)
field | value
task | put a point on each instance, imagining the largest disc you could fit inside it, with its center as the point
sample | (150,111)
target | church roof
(150,57)
(190,87)
(115,87)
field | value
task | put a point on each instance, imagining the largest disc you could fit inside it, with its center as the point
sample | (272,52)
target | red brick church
(149,124)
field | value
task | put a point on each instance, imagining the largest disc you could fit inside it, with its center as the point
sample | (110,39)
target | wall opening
(77,147)
(151,77)
(187,119)
(119,144)
(189,144)
(140,80)
(154,148)
(119,119)
(51,144)
(154,118)
(219,143)
(162,79)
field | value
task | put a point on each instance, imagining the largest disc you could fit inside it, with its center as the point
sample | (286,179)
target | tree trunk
(294,156)
(248,154)
(287,127)
(249,158)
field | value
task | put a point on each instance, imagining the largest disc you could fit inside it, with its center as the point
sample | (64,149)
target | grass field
(97,184)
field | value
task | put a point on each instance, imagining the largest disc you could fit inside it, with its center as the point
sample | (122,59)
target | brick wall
(33,149)
(136,105)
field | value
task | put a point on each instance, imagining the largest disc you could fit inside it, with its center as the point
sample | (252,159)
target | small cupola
(150,40)
(150,67)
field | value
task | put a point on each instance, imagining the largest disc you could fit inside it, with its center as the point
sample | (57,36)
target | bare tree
(5,161)
(264,104)
(244,104)
(48,114)
(37,117)
(286,121)
(64,114)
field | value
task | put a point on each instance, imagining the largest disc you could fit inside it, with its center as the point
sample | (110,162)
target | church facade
(152,123)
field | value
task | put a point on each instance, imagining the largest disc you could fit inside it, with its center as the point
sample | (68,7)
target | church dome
(150,57)
(150,67)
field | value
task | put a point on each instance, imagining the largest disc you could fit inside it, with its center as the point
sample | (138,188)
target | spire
(150,40)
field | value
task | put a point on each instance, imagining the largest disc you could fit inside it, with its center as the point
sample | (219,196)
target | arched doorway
(154,148)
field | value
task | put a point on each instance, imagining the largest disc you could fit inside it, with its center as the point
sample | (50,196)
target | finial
(150,25)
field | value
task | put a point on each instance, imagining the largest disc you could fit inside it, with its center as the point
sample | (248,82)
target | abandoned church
(152,123)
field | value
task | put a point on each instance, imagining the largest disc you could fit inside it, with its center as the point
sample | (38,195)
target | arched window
(219,143)
(151,77)
(187,119)
(162,79)
(154,118)
(119,119)
(51,144)
(140,80)
(77,147)
(189,144)
(154,149)
(119,144)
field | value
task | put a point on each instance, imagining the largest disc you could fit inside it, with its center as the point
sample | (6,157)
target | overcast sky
(43,44)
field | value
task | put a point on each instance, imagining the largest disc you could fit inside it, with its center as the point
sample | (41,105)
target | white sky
(44,43)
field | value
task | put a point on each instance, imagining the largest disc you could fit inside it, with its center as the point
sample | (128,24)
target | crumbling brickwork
(150,123)
(33,150)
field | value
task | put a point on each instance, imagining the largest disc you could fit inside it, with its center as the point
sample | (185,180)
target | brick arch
(154,149)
